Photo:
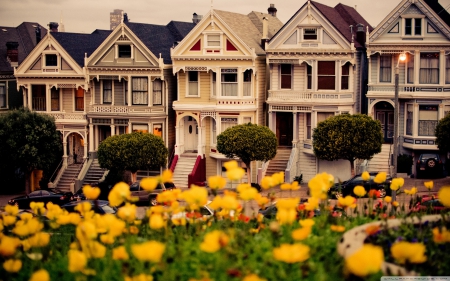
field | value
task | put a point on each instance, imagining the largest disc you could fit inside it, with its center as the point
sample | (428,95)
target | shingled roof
(77,44)
(341,17)
(439,10)
(160,38)
(249,27)
(25,35)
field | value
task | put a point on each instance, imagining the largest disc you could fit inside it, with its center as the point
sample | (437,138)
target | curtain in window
(2,95)
(447,69)
(229,83)
(55,99)
(79,99)
(228,122)
(140,90)
(409,119)
(308,126)
(107,91)
(193,83)
(410,69)
(428,119)
(247,83)
(157,92)
(429,68)
(345,76)
(385,68)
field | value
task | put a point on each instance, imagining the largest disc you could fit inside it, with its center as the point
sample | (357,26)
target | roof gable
(434,25)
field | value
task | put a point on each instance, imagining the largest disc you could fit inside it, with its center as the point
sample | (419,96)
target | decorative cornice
(211,58)
(127,69)
(10,76)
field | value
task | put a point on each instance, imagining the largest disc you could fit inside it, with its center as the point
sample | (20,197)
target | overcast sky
(87,15)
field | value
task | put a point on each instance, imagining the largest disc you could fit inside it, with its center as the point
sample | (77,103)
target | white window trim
(112,91)
(213,48)
(4,85)
(151,103)
(238,83)
(292,78)
(392,70)
(116,51)
(337,77)
(301,33)
(187,95)
(422,22)
(44,60)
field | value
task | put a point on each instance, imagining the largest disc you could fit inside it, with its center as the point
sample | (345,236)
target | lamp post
(401,57)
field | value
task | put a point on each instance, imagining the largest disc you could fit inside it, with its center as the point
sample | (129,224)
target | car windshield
(35,193)
(428,156)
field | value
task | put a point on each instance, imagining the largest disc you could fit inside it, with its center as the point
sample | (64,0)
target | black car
(45,196)
(429,165)
(270,212)
(99,206)
(146,196)
(346,188)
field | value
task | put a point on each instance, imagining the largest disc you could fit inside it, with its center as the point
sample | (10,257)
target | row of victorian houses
(188,81)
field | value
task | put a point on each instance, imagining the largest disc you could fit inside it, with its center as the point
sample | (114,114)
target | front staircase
(184,167)
(94,174)
(279,163)
(68,177)
(380,161)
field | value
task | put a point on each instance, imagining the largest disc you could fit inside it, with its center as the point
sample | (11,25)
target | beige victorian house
(220,68)
(317,68)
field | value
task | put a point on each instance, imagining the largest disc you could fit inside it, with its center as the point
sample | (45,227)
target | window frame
(409,119)
(157,92)
(155,126)
(436,69)
(386,68)
(207,40)
(410,69)
(226,82)
(287,76)
(3,95)
(55,99)
(126,54)
(78,98)
(413,26)
(347,65)
(325,75)
(139,91)
(46,61)
(231,120)
(109,91)
(421,127)
(313,36)
(139,130)
(189,81)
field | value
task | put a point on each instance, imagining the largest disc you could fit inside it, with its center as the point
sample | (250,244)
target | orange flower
(372,229)
(373,193)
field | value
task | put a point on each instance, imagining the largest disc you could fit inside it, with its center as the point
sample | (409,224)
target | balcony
(67,116)
(124,109)
(309,97)
(409,91)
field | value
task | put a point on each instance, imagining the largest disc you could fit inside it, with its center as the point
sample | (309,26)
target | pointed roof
(249,27)
(159,39)
(439,10)
(341,17)
(25,35)
(77,44)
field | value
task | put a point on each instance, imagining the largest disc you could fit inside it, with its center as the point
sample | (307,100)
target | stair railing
(51,180)
(174,163)
(87,162)
(288,176)
(198,175)
(171,158)
(75,178)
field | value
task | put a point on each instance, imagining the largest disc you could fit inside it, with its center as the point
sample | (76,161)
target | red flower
(373,193)
(244,218)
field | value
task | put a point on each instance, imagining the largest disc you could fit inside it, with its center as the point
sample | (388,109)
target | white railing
(109,108)
(262,171)
(409,88)
(298,95)
(71,116)
(291,168)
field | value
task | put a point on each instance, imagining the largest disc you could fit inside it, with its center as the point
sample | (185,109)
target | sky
(84,16)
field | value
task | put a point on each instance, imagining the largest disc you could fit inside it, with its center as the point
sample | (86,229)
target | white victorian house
(317,68)
(420,29)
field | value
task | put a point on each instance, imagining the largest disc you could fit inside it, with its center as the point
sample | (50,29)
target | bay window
(409,119)
(157,92)
(157,130)
(140,128)
(429,68)
(229,83)
(227,122)
(410,69)
(139,91)
(326,75)
(308,126)
(247,83)
(428,119)
(308,77)
(345,76)
(447,69)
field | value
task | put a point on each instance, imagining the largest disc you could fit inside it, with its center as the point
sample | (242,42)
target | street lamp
(401,57)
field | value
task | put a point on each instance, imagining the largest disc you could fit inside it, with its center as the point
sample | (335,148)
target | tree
(249,142)
(442,134)
(347,137)
(132,152)
(28,141)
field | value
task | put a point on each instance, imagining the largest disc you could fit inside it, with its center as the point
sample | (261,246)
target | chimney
(38,34)
(272,10)
(125,18)
(265,32)
(196,18)
(12,53)
(360,34)
(53,26)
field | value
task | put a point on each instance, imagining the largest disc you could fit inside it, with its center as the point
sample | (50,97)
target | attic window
(310,34)
(213,40)
(51,60)
(124,51)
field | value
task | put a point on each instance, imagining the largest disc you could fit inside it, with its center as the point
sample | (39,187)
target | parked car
(346,188)
(428,204)
(41,195)
(204,212)
(149,197)
(99,206)
(429,165)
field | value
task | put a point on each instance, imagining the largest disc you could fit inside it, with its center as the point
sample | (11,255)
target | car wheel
(153,201)
(383,192)
(338,194)
(431,163)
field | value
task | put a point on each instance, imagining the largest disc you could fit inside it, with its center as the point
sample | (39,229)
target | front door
(284,128)
(190,134)
(386,119)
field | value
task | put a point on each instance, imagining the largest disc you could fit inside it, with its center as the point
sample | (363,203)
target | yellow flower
(120,253)
(367,260)
(411,191)
(380,177)
(249,194)
(291,253)
(288,203)
(12,210)
(140,277)
(444,196)
(119,193)
(149,184)
(337,228)
(229,202)
(429,185)
(312,204)
(107,238)
(253,277)
(90,192)
(97,250)
(307,222)
(217,182)
(301,233)
(286,216)
(235,174)
(40,239)
(77,260)
(195,197)
(278,178)
(214,241)
(230,165)
(388,199)
(127,212)
(9,220)
(156,221)
(441,236)
(320,184)
(397,183)
(166,176)
(83,207)
(267,182)
(12,265)
(359,191)
(148,251)
(365,176)
(8,245)
(40,275)
(395,204)
(262,201)
(347,201)
(412,252)
(37,207)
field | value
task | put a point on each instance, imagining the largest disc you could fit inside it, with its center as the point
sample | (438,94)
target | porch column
(129,91)
(25,97)
(91,137)
(442,68)
(113,128)
(199,139)
(369,63)
(48,99)
(295,129)
(416,120)
(86,143)
(64,152)
(177,140)
(272,121)
(30,98)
